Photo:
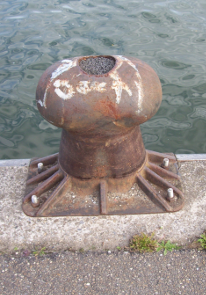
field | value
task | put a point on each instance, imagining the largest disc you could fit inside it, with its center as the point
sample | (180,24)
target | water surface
(169,35)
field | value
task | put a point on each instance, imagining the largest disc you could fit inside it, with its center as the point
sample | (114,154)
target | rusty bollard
(99,102)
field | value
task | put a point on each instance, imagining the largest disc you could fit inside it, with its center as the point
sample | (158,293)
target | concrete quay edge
(180,157)
(98,232)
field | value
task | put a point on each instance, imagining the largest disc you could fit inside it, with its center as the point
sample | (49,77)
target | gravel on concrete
(97,65)
(179,272)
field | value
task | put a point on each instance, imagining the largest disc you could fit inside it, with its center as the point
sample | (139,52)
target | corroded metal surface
(101,149)
(100,105)
(99,114)
(108,196)
(97,157)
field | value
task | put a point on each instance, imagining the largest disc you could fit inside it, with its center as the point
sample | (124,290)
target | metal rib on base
(59,194)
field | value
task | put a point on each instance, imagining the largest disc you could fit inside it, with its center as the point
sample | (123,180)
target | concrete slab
(190,157)
(98,232)
(14,162)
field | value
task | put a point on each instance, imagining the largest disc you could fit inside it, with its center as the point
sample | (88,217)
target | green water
(169,35)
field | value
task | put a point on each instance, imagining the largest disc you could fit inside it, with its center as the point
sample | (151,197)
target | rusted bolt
(170,194)
(165,162)
(34,201)
(40,167)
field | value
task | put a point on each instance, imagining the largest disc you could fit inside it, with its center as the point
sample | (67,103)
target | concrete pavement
(179,272)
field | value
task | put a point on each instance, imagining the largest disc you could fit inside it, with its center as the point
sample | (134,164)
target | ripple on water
(170,36)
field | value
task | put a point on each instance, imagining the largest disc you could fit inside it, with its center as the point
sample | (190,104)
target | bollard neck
(101,157)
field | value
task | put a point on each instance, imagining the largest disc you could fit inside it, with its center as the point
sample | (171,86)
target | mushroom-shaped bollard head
(98,95)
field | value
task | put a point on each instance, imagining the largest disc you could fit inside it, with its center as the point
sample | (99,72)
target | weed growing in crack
(167,246)
(143,243)
(202,241)
(40,252)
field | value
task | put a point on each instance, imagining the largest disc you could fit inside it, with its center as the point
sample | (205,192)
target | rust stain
(107,108)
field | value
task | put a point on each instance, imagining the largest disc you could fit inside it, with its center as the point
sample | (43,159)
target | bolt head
(170,193)
(34,199)
(166,162)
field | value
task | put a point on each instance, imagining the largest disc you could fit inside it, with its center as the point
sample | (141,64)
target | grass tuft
(143,243)
(202,241)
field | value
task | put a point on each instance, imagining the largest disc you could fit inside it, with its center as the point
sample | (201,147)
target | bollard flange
(142,192)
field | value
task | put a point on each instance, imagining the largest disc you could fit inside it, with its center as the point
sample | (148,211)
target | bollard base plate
(142,192)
